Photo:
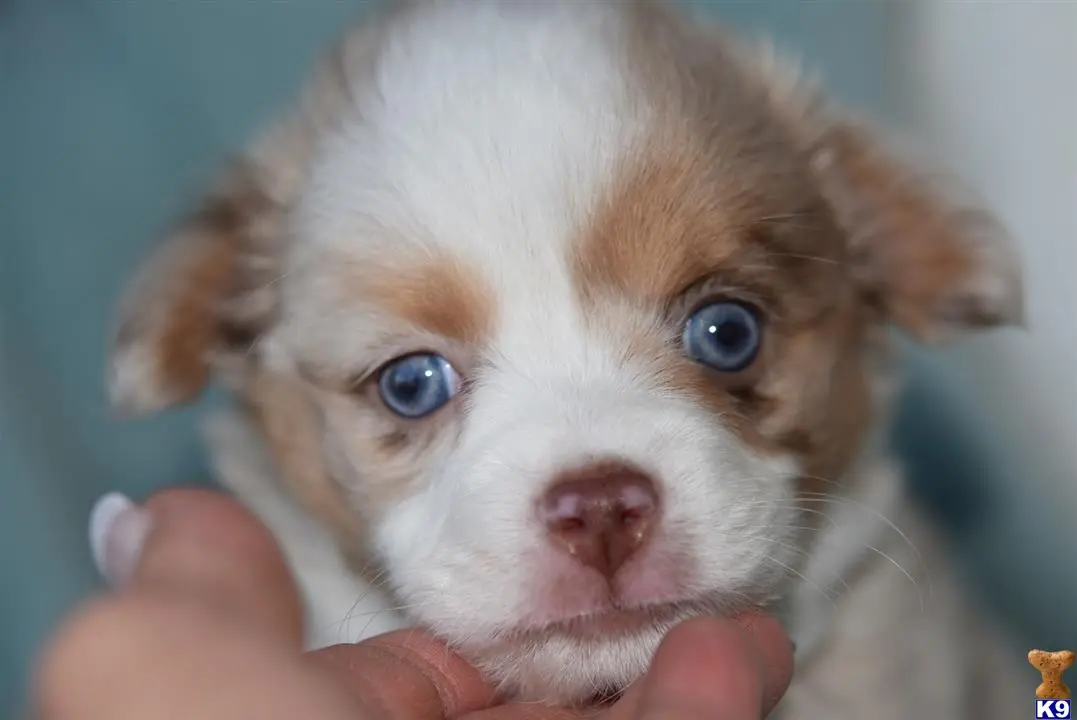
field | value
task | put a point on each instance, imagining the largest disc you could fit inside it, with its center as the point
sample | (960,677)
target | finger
(714,668)
(776,653)
(155,657)
(407,674)
(532,711)
(203,547)
(141,657)
(686,680)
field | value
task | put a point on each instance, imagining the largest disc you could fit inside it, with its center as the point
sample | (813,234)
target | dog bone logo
(1051,666)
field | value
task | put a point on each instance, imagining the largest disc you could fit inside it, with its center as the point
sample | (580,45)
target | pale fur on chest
(881,623)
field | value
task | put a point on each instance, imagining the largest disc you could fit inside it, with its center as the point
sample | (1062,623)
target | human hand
(205,621)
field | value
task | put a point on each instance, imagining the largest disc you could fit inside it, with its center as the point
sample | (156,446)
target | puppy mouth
(614,621)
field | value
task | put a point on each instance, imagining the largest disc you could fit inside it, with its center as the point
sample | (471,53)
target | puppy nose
(601,514)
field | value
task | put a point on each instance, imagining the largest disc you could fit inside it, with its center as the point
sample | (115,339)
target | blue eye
(723,335)
(416,385)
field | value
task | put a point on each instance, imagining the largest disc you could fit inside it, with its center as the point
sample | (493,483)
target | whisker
(273,281)
(872,548)
(804,553)
(802,577)
(813,258)
(821,497)
(899,566)
(890,523)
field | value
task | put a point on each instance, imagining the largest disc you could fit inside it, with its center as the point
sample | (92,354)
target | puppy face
(554,313)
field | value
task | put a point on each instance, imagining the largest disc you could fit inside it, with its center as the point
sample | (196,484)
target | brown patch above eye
(288,420)
(657,232)
(442,295)
(806,394)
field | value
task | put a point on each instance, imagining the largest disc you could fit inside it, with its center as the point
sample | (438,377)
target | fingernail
(118,528)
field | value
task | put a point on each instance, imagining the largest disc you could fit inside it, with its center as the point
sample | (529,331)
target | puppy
(553,323)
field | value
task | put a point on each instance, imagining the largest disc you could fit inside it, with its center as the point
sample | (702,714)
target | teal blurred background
(114,114)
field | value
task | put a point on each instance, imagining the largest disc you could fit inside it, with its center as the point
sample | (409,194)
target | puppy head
(556,313)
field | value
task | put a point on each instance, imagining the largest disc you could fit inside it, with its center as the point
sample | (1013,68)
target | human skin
(204,620)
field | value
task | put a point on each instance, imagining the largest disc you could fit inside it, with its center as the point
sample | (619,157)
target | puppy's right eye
(415,386)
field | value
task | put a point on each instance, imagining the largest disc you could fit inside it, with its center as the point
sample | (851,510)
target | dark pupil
(731,334)
(405,383)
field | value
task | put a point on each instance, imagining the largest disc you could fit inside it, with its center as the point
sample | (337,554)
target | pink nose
(600,514)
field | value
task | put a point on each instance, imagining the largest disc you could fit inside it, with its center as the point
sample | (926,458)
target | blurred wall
(113,117)
(990,90)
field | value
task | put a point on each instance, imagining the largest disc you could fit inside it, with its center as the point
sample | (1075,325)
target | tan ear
(928,262)
(206,296)
(204,293)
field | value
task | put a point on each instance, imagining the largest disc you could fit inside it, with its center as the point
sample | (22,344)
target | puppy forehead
(483,129)
(504,158)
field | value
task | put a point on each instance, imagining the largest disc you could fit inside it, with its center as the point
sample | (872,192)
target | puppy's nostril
(570,524)
(600,514)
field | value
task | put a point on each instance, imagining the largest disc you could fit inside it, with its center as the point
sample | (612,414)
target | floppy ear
(927,262)
(205,294)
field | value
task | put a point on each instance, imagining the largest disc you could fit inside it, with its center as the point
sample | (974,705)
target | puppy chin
(589,658)
(562,667)
(586,639)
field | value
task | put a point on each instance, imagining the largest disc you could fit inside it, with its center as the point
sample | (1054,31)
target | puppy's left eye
(415,386)
(723,335)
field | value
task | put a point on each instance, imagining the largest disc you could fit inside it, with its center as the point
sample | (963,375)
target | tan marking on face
(440,295)
(288,418)
(293,418)
(669,226)
(378,460)
(807,395)
(723,192)
(659,200)
(819,386)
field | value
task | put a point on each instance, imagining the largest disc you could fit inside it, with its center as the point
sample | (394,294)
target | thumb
(714,669)
(202,546)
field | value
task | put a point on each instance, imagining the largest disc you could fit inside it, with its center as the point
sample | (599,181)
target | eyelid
(714,289)
(343,375)
(349,382)
(363,379)
(368,379)
(373,372)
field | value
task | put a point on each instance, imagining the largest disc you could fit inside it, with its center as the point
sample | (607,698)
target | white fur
(490,132)
(487,133)
(481,135)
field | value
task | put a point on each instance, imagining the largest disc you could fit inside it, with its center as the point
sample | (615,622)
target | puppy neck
(857,521)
